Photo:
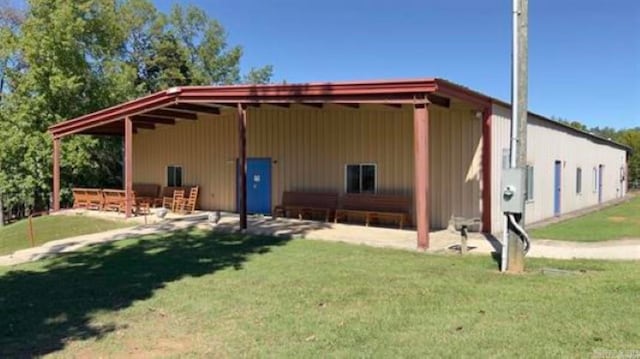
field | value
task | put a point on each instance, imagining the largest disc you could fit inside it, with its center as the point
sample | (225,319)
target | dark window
(578,180)
(361,178)
(174,176)
(529,180)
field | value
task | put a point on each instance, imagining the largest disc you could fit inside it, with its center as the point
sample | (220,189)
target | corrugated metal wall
(547,143)
(456,154)
(310,148)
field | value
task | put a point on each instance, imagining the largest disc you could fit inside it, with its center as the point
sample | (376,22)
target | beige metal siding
(456,151)
(310,147)
(547,143)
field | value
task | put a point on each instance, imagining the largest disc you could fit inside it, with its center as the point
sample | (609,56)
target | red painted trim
(450,89)
(56,174)
(374,92)
(378,92)
(242,170)
(128,165)
(114,114)
(421,158)
(486,169)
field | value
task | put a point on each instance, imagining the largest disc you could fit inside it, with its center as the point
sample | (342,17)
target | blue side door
(259,185)
(557,187)
(600,176)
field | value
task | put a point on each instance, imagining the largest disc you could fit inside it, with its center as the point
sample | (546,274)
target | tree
(631,138)
(10,21)
(62,59)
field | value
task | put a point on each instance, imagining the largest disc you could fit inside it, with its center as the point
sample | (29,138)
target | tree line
(629,137)
(66,58)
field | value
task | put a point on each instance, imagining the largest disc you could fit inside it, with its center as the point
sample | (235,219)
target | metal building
(307,137)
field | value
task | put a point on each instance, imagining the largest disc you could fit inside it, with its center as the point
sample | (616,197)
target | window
(595,179)
(174,176)
(361,178)
(529,179)
(506,153)
(578,180)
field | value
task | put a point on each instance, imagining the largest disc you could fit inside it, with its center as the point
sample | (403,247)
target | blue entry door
(259,185)
(557,187)
(600,176)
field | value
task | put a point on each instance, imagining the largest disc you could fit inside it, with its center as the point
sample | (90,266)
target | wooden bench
(306,204)
(88,198)
(114,199)
(372,208)
(147,192)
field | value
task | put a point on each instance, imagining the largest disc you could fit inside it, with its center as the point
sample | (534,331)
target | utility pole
(514,243)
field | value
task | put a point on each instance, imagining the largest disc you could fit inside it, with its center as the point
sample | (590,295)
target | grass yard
(199,294)
(14,237)
(618,221)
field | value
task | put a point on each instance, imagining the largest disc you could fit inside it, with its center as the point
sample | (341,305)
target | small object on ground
(161,213)
(463,225)
(556,271)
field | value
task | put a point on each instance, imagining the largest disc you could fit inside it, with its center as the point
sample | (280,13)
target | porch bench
(372,208)
(147,192)
(306,204)
(88,198)
(114,199)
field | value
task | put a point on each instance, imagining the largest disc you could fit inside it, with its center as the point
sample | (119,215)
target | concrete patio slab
(441,241)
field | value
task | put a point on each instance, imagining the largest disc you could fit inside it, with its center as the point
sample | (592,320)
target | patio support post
(421,157)
(242,165)
(56,174)
(128,165)
(486,169)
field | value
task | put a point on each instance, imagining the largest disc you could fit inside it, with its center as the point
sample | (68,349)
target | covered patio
(185,104)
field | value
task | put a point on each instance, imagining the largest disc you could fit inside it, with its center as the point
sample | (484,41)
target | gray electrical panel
(513,188)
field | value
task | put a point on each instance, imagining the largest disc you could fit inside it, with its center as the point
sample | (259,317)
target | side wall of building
(546,144)
(310,147)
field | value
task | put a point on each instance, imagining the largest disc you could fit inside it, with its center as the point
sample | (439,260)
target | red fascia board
(450,89)
(308,90)
(124,105)
(380,91)
(112,114)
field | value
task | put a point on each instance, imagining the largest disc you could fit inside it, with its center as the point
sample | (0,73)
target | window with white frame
(360,178)
(578,180)
(174,176)
(506,153)
(529,179)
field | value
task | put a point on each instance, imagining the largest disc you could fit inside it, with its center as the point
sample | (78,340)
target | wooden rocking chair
(172,203)
(188,204)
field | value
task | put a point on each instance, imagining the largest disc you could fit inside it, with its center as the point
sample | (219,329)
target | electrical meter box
(513,190)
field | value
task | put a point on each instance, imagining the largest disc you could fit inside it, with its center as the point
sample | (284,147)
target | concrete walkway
(441,241)
(73,244)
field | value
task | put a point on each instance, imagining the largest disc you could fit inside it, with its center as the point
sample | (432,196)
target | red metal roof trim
(372,91)
(386,91)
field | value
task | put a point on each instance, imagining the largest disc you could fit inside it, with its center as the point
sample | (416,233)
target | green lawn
(48,228)
(197,294)
(618,221)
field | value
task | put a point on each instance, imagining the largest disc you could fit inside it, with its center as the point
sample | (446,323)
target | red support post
(242,165)
(56,174)
(421,157)
(486,169)
(128,165)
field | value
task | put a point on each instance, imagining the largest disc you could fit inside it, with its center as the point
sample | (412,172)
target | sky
(584,55)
